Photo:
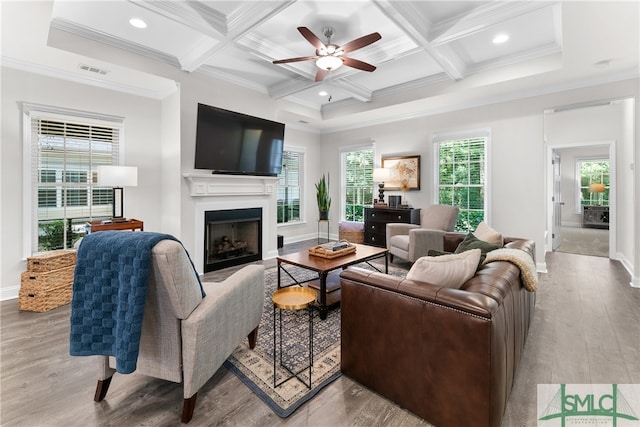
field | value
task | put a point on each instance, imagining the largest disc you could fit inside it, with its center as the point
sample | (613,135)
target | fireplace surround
(232,237)
(211,192)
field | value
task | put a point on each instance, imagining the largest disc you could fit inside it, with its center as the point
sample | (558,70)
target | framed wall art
(404,171)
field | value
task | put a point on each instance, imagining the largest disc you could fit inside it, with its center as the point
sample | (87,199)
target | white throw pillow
(446,270)
(488,234)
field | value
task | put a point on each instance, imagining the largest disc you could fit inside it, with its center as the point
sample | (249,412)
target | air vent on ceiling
(93,69)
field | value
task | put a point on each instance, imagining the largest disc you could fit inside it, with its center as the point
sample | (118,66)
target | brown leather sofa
(447,355)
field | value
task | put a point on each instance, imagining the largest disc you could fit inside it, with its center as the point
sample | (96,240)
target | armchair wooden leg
(390,257)
(101,389)
(253,338)
(188,407)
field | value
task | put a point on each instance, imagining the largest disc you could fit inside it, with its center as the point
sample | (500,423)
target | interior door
(557,202)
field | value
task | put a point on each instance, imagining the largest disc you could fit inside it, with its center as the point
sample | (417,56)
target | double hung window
(290,181)
(461,177)
(357,166)
(65,152)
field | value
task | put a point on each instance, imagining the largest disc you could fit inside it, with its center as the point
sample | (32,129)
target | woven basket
(351,232)
(43,291)
(51,261)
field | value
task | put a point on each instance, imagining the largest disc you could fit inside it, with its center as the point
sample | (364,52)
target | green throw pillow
(435,252)
(472,242)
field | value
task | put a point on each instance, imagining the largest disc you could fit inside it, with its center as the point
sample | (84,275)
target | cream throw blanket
(522,260)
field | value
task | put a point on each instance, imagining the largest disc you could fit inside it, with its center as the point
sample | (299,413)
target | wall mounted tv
(233,143)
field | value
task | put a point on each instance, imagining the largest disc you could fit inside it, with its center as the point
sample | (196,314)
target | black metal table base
(276,362)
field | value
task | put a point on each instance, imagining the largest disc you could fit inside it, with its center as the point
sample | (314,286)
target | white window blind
(65,155)
(290,187)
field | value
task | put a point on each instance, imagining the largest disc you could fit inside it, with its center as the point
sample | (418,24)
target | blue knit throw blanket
(109,291)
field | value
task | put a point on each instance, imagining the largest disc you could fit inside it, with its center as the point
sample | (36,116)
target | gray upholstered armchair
(411,241)
(185,337)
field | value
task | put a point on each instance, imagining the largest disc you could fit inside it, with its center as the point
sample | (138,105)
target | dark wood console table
(130,224)
(376,220)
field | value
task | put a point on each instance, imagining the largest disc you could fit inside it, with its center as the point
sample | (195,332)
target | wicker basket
(43,291)
(351,232)
(33,297)
(51,261)
(323,251)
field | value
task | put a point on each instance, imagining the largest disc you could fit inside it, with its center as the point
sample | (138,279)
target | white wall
(518,199)
(602,124)
(517,180)
(142,148)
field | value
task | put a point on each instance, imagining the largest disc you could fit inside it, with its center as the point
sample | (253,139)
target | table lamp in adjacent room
(598,189)
(379,176)
(118,177)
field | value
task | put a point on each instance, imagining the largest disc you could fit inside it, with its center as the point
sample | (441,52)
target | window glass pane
(461,178)
(358,167)
(289,187)
(66,155)
(594,172)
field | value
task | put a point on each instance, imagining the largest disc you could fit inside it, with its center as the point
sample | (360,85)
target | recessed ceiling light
(323,93)
(500,38)
(138,23)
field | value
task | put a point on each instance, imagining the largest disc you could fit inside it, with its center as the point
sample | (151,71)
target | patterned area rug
(255,367)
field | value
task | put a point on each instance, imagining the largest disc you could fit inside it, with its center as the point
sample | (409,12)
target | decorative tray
(332,249)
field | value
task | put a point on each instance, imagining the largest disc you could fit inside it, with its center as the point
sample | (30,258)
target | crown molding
(77,77)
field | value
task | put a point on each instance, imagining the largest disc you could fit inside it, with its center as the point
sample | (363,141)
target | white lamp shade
(380,174)
(118,176)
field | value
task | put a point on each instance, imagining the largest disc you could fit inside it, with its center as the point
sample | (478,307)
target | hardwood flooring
(585,330)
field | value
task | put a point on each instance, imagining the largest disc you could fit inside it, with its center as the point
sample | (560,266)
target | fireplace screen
(232,237)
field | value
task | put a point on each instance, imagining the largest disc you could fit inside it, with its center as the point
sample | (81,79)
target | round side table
(292,298)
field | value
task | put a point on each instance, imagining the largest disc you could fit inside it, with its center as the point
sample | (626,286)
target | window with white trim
(592,179)
(357,166)
(65,152)
(461,177)
(290,184)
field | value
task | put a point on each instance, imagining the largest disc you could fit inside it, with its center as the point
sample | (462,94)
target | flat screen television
(233,143)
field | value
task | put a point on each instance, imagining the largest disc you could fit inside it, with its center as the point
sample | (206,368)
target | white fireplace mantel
(211,192)
(208,185)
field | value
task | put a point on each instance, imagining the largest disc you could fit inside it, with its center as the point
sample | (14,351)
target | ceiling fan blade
(361,42)
(301,58)
(321,74)
(354,63)
(311,38)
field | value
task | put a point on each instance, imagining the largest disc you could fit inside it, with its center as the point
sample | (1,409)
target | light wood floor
(586,330)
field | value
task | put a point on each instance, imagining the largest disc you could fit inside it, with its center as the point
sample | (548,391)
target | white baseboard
(628,265)
(10,292)
(541,267)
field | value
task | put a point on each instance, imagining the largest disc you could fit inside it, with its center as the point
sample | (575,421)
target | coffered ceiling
(429,50)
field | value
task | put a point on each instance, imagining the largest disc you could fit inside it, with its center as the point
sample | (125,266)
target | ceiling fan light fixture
(329,63)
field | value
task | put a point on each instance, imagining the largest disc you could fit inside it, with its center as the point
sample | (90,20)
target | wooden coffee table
(324,266)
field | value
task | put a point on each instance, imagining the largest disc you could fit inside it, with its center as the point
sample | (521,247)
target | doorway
(569,230)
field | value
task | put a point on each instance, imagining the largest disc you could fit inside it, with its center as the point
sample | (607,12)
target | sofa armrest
(229,312)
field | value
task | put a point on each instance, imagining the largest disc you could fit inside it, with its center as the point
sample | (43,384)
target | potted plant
(322,195)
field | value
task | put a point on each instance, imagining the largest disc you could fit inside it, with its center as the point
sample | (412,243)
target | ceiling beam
(417,26)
